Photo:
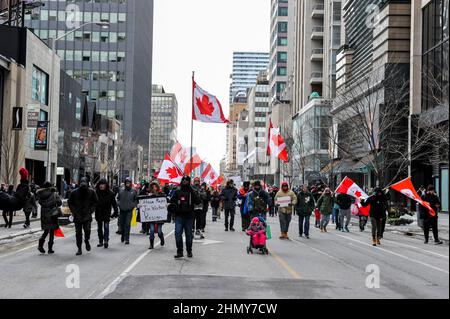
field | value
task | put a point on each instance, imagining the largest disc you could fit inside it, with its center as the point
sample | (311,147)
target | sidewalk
(19,219)
(414,230)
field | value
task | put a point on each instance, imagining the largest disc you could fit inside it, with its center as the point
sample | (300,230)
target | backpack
(259,205)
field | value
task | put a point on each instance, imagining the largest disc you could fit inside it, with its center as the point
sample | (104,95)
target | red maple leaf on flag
(276,139)
(172,172)
(358,194)
(205,106)
(212,175)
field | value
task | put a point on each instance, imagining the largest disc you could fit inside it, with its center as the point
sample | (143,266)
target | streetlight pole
(51,87)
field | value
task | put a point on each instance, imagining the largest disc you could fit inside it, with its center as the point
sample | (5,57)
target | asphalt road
(329,265)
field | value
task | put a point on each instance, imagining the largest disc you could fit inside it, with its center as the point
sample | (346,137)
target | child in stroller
(257,233)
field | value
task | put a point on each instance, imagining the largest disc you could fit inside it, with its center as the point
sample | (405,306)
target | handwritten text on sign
(153,209)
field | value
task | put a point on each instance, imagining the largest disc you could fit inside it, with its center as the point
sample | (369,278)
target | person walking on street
(9,214)
(325,206)
(156,227)
(29,208)
(242,196)
(344,202)
(229,197)
(205,201)
(82,203)
(285,212)
(304,207)
(106,202)
(431,197)
(183,203)
(378,205)
(215,204)
(258,201)
(198,208)
(49,200)
(127,201)
(316,192)
(144,191)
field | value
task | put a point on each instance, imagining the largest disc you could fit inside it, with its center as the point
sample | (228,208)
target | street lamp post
(50,91)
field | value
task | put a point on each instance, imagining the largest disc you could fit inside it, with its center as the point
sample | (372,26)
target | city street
(329,265)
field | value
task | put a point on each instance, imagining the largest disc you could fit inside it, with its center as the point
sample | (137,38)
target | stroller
(258,238)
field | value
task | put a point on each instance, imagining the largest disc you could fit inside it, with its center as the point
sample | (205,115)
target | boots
(100,244)
(79,252)
(282,235)
(162,240)
(50,248)
(374,241)
(152,241)
(105,244)
(378,241)
(88,246)
(286,235)
(41,246)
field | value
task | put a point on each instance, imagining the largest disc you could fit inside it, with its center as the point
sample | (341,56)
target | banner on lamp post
(40,139)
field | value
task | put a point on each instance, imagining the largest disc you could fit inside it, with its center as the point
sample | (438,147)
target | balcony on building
(318,11)
(317,33)
(317,55)
(316,78)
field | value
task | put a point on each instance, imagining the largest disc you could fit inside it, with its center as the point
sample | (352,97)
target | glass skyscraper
(246,67)
(113,64)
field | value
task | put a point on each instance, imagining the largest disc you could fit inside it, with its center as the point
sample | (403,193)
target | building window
(282,57)
(282,11)
(282,71)
(282,27)
(39,82)
(282,41)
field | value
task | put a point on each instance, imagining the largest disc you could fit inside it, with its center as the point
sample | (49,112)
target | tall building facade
(256,162)
(429,95)
(281,26)
(317,34)
(235,109)
(246,66)
(163,129)
(113,64)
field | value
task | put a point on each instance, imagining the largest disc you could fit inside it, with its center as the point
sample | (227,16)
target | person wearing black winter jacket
(82,203)
(344,202)
(48,199)
(106,202)
(428,220)
(182,204)
(378,206)
(30,207)
(229,196)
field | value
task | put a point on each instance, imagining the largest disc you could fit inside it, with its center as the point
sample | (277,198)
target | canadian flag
(349,187)
(206,107)
(277,147)
(181,157)
(209,175)
(169,172)
(406,187)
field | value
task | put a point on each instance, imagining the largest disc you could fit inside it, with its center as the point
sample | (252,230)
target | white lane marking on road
(34,245)
(316,250)
(418,248)
(110,288)
(396,254)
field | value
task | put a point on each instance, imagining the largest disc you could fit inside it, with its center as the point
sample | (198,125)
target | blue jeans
(303,225)
(103,231)
(186,225)
(335,216)
(125,221)
(158,229)
(324,220)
